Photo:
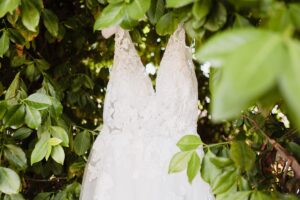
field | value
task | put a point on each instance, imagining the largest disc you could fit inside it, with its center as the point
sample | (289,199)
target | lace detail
(129,159)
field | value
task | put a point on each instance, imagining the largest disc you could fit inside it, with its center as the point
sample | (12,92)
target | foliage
(54,70)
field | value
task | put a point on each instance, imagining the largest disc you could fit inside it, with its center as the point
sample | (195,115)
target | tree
(55,66)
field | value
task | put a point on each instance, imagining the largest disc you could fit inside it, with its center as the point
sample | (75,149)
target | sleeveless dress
(130,158)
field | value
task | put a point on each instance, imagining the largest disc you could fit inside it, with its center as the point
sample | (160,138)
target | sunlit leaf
(193,167)
(189,142)
(8,6)
(111,15)
(9,181)
(58,154)
(180,161)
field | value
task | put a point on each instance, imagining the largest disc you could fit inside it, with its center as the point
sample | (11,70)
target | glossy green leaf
(22,133)
(138,8)
(180,161)
(60,133)
(9,181)
(193,167)
(189,142)
(224,182)
(157,9)
(82,142)
(111,15)
(33,118)
(58,154)
(8,6)
(43,196)
(16,156)
(4,43)
(242,155)
(30,15)
(14,116)
(38,101)
(178,3)
(50,22)
(40,149)
(169,19)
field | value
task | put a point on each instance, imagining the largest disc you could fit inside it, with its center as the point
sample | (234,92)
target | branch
(282,152)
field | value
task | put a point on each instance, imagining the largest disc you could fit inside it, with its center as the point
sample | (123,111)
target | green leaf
(294,10)
(16,156)
(221,162)
(50,22)
(22,133)
(169,19)
(178,3)
(242,155)
(14,117)
(217,19)
(138,8)
(38,101)
(40,149)
(180,161)
(42,64)
(9,181)
(255,69)
(4,43)
(54,141)
(201,9)
(111,15)
(237,195)
(58,154)
(193,167)
(33,118)
(224,45)
(82,142)
(12,91)
(60,133)
(157,9)
(224,182)
(289,81)
(3,109)
(43,196)
(13,197)
(189,142)
(30,15)
(258,195)
(8,6)
(208,170)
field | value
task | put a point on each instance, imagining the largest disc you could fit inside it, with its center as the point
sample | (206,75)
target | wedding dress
(130,158)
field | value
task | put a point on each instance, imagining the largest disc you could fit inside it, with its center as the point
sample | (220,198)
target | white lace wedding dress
(130,158)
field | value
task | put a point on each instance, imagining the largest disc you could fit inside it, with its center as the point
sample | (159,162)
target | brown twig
(282,152)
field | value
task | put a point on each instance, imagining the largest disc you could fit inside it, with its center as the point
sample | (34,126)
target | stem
(216,144)
(282,152)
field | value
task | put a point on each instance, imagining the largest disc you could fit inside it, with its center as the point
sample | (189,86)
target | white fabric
(130,158)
